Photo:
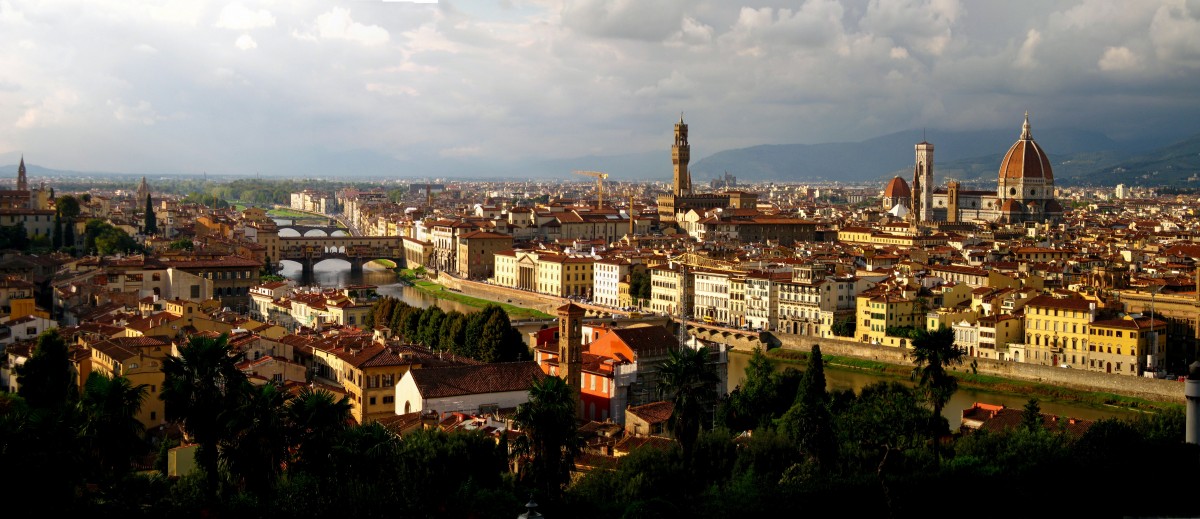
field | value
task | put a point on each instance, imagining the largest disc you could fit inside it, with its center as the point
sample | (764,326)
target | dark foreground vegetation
(884,452)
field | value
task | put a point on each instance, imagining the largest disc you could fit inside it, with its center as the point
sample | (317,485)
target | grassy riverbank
(990,383)
(441,292)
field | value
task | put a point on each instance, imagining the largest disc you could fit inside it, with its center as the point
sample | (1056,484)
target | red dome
(1052,206)
(897,188)
(1011,206)
(1025,159)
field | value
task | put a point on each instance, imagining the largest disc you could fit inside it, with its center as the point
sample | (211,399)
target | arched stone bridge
(304,229)
(358,250)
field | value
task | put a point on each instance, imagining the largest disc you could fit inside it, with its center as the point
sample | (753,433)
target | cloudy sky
(263,86)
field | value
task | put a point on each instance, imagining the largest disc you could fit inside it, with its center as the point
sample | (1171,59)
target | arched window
(407,407)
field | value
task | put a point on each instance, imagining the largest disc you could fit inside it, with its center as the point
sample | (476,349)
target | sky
(323,87)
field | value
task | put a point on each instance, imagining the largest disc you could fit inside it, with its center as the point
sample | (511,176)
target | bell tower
(22,182)
(570,350)
(681,154)
(923,183)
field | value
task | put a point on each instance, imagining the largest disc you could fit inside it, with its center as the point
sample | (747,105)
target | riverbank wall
(1141,387)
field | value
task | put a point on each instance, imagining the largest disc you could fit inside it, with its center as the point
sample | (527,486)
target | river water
(964,398)
(336,273)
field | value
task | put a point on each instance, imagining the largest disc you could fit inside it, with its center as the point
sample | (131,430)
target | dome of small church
(1025,159)
(897,188)
(1052,206)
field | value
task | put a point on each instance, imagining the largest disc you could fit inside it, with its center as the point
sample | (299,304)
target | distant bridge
(305,229)
(358,250)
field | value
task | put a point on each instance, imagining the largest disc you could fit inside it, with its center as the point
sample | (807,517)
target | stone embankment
(1141,387)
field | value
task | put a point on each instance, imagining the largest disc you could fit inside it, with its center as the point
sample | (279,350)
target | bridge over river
(357,250)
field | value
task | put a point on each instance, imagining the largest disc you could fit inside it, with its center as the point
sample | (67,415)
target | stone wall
(1148,388)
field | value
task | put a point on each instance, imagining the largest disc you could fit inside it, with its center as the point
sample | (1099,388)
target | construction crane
(599,185)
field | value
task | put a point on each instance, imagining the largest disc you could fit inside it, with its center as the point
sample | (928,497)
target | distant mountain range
(1079,157)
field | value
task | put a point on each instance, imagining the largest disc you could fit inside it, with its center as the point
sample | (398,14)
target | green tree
(151,226)
(112,432)
(201,390)
(14,237)
(932,353)
(56,235)
(67,206)
(182,244)
(113,240)
(809,423)
(639,285)
(1031,416)
(68,239)
(47,379)
(429,325)
(689,382)
(257,449)
(747,406)
(317,420)
(549,441)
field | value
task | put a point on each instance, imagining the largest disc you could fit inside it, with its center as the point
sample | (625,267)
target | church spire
(1025,128)
(22,182)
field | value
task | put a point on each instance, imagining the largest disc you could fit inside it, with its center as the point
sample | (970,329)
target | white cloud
(461,151)
(49,110)
(245,42)
(338,25)
(145,48)
(898,53)
(238,17)
(629,19)
(1117,59)
(391,90)
(11,16)
(1175,31)
(1025,58)
(141,113)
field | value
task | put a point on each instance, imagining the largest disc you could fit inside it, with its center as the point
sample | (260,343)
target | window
(389,399)
(372,400)
(153,415)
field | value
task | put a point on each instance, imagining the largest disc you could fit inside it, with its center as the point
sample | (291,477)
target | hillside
(1174,165)
(971,154)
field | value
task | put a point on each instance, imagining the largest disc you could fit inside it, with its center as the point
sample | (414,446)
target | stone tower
(570,350)
(681,154)
(952,201)
(22,182)
(923,183)
(143,190)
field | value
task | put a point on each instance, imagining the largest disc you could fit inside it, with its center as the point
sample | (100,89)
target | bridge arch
(315,233)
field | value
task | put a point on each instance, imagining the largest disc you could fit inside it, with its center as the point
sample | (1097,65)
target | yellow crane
(599,185)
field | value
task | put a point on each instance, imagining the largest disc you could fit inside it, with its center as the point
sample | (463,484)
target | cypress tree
(56,235)
(151,219)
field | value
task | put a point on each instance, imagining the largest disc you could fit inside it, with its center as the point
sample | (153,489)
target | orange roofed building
(619,367)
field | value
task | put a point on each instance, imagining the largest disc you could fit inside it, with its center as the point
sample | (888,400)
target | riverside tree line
(780,443)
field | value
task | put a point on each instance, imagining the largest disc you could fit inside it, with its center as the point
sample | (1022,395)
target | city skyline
(269,87)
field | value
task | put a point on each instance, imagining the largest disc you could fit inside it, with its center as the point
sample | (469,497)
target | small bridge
(358,250)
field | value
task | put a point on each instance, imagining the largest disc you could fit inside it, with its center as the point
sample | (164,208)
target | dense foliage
(282,455)
(486,335)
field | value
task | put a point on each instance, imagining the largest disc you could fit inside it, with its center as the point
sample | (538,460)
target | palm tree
(203,387)
(111,429)
(550,441)
(317,422)
(689,382)
(932,353)
(258,448)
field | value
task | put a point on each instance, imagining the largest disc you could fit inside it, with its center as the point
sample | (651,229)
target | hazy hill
(971,154)
(1173,165)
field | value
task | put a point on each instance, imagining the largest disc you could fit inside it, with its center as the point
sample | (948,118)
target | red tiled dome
(1025,159)
(1011,206)
(1052,206)
(897,188)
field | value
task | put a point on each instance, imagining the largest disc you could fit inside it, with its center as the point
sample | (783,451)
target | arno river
(335,273)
